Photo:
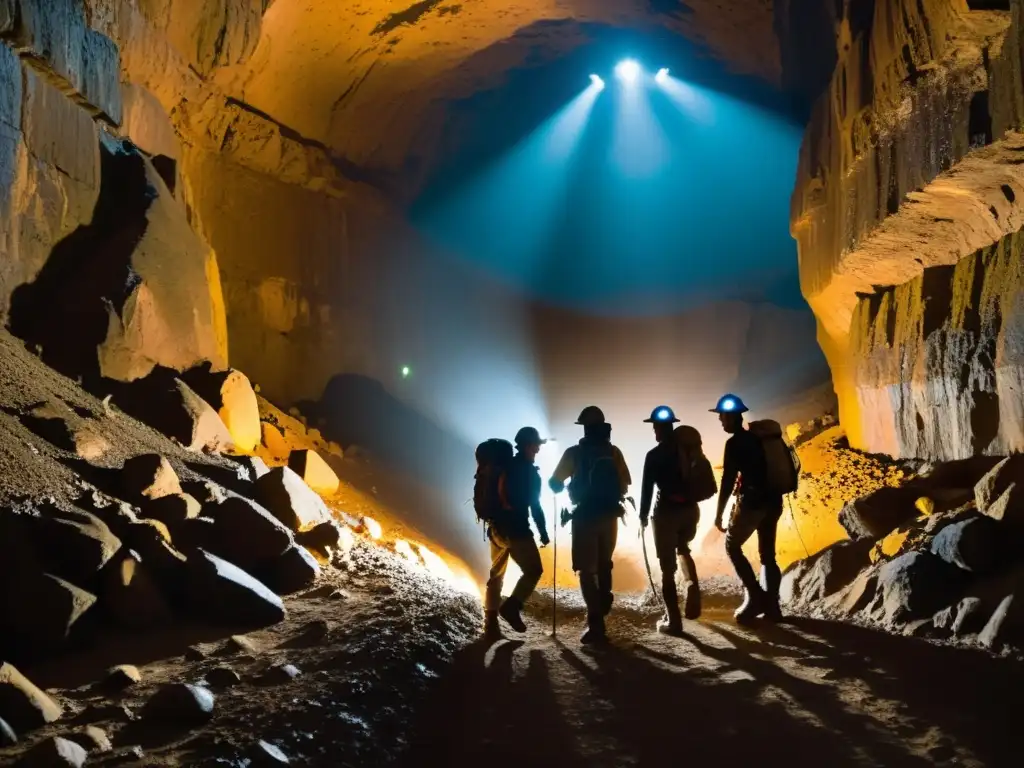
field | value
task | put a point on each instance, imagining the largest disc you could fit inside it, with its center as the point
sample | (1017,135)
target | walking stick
(554,568)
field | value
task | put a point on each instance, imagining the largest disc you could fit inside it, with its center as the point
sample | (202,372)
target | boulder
(223,677)
(966,617)
(71,543)
(7,735)
(223,593)
(64,428)
(972,545)
(194,533)
(92,739)
(39,612)
(131,597)
(265,753)
(308,465)
(55,752)
(287,497)
(875,515)
(118,515)
(1000,493)
(279,674)
(828,572)
(180,704)
(24,706)
(122,676)
(254,466)
(231,394)
(295,570)
(912,586)
(164,564)
(205,491)
(246,533)
(272,438)
(322,538)
(171,407)
(172,509)
(148,477)
(1005,625)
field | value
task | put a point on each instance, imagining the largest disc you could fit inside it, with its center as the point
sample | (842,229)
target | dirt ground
(806,693)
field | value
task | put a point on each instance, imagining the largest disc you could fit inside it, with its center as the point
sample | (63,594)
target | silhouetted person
(599,480)
(758,509)
(676,515)
(510,536)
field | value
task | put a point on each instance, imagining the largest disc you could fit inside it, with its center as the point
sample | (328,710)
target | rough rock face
(909,166)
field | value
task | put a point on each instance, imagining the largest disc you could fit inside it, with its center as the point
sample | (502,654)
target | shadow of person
(673,712)
(496,708)
(883,736)
(951,688)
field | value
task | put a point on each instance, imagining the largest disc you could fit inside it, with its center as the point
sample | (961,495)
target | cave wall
(101,271)
(909,162)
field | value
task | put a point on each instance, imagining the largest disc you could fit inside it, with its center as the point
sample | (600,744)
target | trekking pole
(554,568)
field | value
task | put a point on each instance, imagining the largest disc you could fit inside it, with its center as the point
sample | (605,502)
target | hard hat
(662,414)
(590,416)
(729,404)
(529,436)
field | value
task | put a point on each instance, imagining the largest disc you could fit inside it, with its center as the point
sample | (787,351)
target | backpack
(595,481)
(492,459)
(697,472)
(782,464)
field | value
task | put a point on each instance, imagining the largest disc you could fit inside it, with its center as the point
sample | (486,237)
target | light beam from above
(597,82)
(640,148)
(662,77)
(628,71)
(687,98)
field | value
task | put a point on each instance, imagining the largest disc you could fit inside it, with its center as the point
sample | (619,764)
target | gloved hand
(544,540)
(556,485)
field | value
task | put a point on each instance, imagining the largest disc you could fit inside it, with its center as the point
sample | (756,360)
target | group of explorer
(759,469)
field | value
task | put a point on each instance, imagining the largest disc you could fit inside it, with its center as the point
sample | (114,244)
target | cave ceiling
(371,80)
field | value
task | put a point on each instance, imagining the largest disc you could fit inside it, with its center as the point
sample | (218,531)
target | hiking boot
(509,611)
(669,625)
(692,610)
(594,635)
(492,630)
(771,579)
(755,602)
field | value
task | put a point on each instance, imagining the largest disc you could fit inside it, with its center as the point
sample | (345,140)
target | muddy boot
(671,623)
(771,579)
(509,611)
(754,604)
(692,609)
(492,631)
(604,585)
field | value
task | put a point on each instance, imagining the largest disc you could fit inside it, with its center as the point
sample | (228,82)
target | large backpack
(595,478)
(781,460)
(492,460)
(697,472)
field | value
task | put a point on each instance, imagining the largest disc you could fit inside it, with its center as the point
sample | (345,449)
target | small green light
(405,371)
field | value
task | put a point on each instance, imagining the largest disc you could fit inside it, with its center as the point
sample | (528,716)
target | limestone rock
(195,533)
(59,425)
(171,407)
(72,543)
(7,735)
(231,394)
(321,538)
(279,674)
(1005,624)
(295,570)
(180,704)
(164,564)
(288,498)
(55,752)
(1000,493)
(122,676)
(910,587)
(92,739)
(149,477)
(878,513)
(223,593)
(273,440)
(246,533)
(265,753)
(223,677)
(254,466)
(972,545)
(965,617)
(172,509)
(827,572)
(308,465)
(131,597)
(22,704)
(39,612)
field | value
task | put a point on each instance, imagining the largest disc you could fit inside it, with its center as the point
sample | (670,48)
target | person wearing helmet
(675,519)
(599,480)
(757,509)
(510,536)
